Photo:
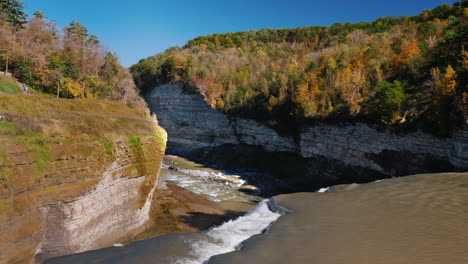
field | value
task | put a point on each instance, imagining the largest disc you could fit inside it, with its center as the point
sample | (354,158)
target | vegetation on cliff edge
(70,64)
(396,71)
(32,122)
(57,150)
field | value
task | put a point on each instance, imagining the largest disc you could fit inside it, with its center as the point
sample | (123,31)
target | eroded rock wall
(86,197)
(193,124)
(389,153)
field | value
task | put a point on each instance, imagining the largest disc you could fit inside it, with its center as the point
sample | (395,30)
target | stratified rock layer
(192,124)
(61,193)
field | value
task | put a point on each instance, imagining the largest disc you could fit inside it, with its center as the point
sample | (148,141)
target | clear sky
(141,28)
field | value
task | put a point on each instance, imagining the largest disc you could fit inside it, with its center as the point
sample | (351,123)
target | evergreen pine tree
(13,12)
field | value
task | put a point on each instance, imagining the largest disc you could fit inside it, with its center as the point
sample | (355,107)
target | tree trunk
(58,89)
(6,66)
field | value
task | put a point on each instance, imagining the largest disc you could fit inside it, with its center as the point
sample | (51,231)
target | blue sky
(141,28)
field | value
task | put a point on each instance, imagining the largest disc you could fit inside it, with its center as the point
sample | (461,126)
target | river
(229,191)
(414,219)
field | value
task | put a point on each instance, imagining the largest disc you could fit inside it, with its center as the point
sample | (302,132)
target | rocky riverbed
(189,198)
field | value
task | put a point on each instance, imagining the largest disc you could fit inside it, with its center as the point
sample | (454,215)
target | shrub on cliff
(387,104)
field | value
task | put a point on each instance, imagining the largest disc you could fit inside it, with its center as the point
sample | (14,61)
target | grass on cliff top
(37,121)
(72,119)
(8,85)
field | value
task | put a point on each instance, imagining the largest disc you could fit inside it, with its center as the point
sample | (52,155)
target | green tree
(39,14)
(442,11)
(111,66)
(93,40)
(13,11)
(76,29)
(388,101)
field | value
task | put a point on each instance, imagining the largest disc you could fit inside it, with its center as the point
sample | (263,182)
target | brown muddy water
(415,219)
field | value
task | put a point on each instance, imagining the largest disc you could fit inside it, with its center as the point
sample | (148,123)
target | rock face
(363,146)
(85,198)
(192,124)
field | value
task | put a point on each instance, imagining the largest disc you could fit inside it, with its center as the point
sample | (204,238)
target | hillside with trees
(402,72)
(68,63)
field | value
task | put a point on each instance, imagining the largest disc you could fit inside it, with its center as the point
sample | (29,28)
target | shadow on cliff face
(400,163)
(282,172)
(203,221)
(177,210)
(288,172)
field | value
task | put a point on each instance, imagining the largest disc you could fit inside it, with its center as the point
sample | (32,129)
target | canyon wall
(192,124)
(64,196)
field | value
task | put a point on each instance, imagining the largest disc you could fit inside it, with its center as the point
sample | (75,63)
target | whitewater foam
(224,188)
(230,235)
(322,190)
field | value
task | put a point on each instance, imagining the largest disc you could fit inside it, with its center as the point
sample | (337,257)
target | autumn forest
(403,72)
(68,63)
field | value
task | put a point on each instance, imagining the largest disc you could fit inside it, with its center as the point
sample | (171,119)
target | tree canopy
(12,12)
(71,63)
(414,67)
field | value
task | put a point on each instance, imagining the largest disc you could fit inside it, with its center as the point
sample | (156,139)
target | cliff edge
(75,175)
(322,155)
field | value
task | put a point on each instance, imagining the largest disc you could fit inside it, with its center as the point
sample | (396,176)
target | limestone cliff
(352,148)
(75,175)
(192,124)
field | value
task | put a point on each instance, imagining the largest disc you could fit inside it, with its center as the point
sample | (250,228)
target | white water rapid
(229,236)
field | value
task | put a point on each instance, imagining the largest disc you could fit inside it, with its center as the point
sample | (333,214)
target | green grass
(109,147)
(90,118)
(36,142)
(139,154)
(5,170)
(135,141)
(7,127)
(39,145)
(8,85)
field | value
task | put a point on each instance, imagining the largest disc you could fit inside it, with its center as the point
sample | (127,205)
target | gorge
(328,153)
(392,212)
(345,143)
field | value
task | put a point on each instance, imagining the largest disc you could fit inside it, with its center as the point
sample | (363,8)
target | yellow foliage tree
(448,83)
(464,59)
(409,50)
(352,84)
(443,84)
(71,87)
(272,102)
(425,15)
